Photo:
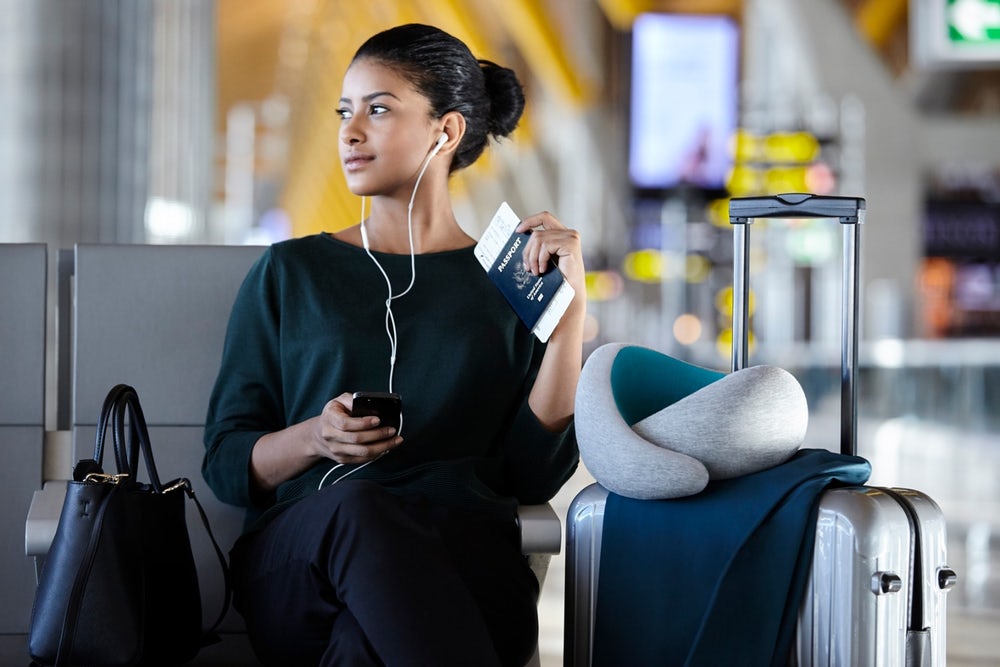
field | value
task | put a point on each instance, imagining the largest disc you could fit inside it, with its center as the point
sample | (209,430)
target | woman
(365,545)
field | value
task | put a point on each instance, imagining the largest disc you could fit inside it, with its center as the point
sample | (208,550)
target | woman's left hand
(553,394)
(550,241)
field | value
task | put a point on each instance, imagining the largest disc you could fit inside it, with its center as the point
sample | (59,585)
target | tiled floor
(959,470)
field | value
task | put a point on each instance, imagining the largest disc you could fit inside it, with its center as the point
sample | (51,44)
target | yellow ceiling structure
(878,20)
(247,44)
(621,13)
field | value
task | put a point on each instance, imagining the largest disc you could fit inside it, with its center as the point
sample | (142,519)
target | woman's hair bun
(506,98)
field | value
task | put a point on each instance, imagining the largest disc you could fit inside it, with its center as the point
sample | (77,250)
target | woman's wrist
(281,455)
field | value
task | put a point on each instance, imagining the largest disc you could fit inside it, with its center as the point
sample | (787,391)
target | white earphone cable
(390,320)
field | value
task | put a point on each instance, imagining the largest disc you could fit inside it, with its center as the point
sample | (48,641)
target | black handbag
(119,586)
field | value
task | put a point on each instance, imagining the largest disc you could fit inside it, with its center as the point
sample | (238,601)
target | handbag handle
(129,447)
(121,401)
(107,412)
(95,465)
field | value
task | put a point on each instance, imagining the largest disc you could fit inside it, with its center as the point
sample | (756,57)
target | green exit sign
(955,34)
(973,21)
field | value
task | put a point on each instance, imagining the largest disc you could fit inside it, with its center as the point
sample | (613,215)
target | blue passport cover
(529,295)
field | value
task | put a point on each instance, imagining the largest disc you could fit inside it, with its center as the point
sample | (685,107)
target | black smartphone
(388,407)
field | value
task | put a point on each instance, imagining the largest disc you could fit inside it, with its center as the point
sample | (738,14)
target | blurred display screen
(962,230)
(683,100)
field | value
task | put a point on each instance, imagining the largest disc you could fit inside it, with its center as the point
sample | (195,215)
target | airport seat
(23,286)
(155,317)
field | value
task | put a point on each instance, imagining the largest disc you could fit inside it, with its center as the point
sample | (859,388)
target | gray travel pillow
(650,426)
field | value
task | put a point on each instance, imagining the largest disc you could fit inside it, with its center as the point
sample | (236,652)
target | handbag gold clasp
(182,483)
(103,478)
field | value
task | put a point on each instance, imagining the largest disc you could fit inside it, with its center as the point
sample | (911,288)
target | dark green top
(309,324)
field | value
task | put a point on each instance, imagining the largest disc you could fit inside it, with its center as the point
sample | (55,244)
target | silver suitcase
(876,591)
(876,594)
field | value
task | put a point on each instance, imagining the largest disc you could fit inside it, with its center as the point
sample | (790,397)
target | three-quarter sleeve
(246,401)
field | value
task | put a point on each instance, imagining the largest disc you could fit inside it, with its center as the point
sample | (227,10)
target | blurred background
(212,122)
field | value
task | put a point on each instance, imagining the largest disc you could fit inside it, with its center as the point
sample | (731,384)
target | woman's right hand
(346,439)
(333,434)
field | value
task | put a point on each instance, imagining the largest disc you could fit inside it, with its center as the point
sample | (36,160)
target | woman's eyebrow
(370,96)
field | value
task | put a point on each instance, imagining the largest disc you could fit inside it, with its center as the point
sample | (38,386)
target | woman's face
(386,130)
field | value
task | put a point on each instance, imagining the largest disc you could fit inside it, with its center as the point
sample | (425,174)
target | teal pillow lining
(644,381)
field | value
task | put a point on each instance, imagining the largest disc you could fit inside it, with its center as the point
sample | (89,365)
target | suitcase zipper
(918,638)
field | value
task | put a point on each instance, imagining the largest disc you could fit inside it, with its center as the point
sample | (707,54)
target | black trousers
(354,575)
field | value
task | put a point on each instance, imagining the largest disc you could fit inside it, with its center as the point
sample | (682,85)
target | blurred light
(168,219)
(974,287)
(779,147)
(937,274)
(746,180)
(795,147)
(603,285)
(820,179)
(717,212)
(774,163)
(275,111)
(785,179)
(273,226)
(673,265)
(687,329)
(744,146)
(724,301)
(887,353)
(697,268)
(810,244)
(724,342)
(645,266)
(743,180)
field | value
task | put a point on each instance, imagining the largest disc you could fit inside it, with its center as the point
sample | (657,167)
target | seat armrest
(57,455)
(43,517)
(541,529)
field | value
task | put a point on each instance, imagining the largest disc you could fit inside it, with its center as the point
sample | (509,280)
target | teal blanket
(715,578)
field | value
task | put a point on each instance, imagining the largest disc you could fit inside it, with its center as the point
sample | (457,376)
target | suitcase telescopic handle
(850,211)
(796,205)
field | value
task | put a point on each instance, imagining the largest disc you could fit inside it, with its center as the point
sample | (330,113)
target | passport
(539,301)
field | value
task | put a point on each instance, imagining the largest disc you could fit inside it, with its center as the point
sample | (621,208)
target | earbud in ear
(437,145)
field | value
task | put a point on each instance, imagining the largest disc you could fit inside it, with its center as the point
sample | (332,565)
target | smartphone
(388,407)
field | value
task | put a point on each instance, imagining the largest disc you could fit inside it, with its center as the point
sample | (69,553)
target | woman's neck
(435,228)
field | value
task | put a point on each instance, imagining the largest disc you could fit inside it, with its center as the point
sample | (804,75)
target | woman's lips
(356,161)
